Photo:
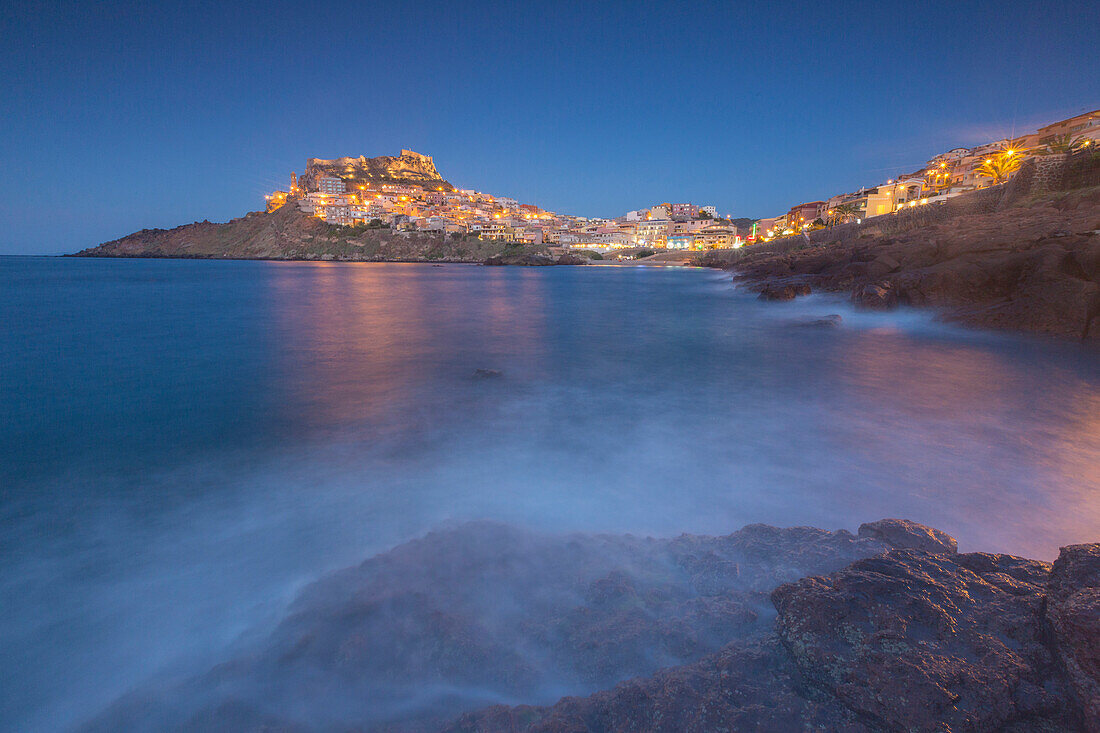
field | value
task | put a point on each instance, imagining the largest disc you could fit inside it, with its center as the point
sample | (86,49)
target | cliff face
(289,234)
(409,167)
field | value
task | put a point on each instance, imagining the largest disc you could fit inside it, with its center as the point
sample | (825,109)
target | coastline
(987,260)
(287,234)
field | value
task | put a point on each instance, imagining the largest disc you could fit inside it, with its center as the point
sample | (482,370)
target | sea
(185,444)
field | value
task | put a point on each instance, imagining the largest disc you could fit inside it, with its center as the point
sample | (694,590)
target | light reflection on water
(185,443)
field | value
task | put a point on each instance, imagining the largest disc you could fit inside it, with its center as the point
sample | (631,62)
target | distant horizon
(193,112)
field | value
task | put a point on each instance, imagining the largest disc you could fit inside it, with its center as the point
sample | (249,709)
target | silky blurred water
(183,444)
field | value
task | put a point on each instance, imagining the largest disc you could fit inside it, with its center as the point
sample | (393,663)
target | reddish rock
(880,296)
(915,641)
(783,291)
(486,612)
(1073,611)
(904,533)
(901,640)
(908,641)
(1034,266)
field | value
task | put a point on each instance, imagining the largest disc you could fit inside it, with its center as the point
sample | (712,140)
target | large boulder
(880,296)
(929,642)
(1073,611)
(901,533)
(783,291)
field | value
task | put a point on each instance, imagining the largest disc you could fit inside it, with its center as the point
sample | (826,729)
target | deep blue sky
(119,116)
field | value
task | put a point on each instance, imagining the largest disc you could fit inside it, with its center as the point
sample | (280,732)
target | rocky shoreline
(288,234)
(993,259)
(889,629)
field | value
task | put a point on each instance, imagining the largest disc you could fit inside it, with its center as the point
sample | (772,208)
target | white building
(331,184)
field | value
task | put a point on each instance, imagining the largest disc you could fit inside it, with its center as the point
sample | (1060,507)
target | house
(652,233)
(684,211)
(716,237)
(1085,126)
(803,215)
(331,184)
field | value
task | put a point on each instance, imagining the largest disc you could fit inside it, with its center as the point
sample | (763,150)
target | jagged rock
(783,291)
(409,167)
(907,641)
(882,295)
(916,641)
(903,533)
(571,259)
(900,640)
(1073,610)
(487,373)
(486,613)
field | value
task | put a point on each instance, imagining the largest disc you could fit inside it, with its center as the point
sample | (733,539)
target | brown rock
(879,296)
(1073,611)
(783,291)
(1032,266)
(908,641)
(882,265)
(915,641)
(902,533)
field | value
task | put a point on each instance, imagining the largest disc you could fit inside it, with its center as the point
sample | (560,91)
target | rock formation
(409,167)
(1033,266)
(893,630)
(486,613)
(911,640)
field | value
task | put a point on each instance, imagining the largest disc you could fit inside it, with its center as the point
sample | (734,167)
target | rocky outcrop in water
(909,641)
(762,629)
(485,613)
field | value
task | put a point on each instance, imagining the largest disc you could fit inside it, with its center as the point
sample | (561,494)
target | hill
(289,234)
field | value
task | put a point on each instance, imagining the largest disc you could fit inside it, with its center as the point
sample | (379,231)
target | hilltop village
(367,192)
(406,194)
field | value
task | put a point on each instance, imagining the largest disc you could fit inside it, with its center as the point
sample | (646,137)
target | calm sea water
(183,444)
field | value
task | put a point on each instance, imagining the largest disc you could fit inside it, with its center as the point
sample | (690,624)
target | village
(346,199)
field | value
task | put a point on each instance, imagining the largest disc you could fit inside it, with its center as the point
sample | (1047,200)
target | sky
(121,116)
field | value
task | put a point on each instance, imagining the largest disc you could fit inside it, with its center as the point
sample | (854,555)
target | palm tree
(1067,143)
(999,167)
(843,213)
